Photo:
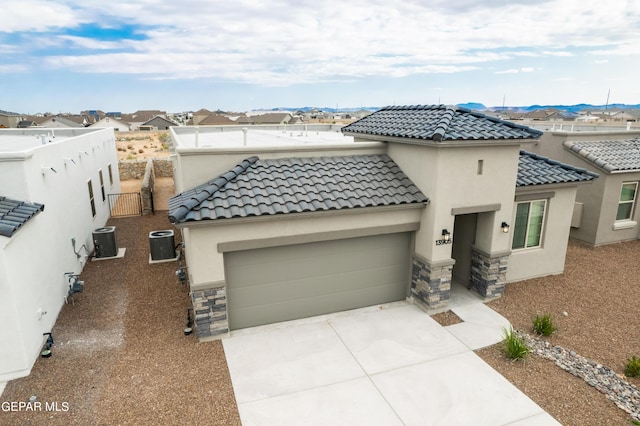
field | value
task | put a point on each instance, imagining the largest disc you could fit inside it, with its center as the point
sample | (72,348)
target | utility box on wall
(104,241)
(162,245)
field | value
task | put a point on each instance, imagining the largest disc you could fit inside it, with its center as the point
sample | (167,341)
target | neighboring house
(57,122)
(116,125)
(53,195)
(200,115)
(278,225)
(26,123)
(606,212)
(215,120)
(270,118)
(140,117)
(10,119)
(157,123)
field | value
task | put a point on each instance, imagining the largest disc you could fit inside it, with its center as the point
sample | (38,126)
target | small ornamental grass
(633,367)
(543,325)
(514,346)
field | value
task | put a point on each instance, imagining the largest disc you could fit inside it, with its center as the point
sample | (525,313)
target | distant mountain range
(570,108)
(480,107)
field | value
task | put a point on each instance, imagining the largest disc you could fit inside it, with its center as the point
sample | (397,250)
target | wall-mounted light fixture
(446,238)
(505,227)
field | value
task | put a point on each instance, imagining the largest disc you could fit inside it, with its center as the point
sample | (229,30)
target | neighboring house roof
(271,118)
(26,123)
(610,156)
(216,119)
(14,214)
(535,170)
(62,121)
(296,185)
(159,119)
(437,123)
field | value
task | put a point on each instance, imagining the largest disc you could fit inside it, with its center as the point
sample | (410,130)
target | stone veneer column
(488,272)
(210,312)
(431,283)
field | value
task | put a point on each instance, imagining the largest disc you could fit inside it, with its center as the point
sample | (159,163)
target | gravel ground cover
(595,305)
(120,355)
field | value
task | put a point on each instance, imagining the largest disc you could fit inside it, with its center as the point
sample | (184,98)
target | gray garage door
(297,281)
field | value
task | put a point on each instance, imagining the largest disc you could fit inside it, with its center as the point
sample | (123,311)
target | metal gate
(125,204)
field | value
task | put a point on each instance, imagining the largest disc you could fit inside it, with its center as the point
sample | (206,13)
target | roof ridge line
(210,188)
(444,123)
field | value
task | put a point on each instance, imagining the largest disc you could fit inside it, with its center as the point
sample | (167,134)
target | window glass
(91,200)
(627,200)
(528,224)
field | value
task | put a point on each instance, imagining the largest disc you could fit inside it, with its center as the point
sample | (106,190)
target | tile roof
(535,170)
(14,214)
(610,156)
(296,185)
(438,123)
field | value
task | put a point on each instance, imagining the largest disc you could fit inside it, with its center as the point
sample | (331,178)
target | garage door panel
(334,264)
(301,262)
(271,292)
(303,308)
(283,283)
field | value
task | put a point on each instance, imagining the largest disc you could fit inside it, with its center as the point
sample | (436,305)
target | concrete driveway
(383,365)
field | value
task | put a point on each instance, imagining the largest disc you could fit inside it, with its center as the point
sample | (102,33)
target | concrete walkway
(383,365)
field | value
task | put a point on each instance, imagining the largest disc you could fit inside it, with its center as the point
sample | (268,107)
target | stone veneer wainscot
(431,283)
(210,312)
(488,272)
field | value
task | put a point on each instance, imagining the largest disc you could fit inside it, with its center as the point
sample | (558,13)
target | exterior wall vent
(104,240)
(162,245)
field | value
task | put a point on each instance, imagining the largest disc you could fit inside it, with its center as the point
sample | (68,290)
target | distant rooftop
(258,136)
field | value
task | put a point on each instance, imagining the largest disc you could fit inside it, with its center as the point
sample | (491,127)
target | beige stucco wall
(601,198)
(202,243)
(195,166)
(449,177)
(549,259)
(551,142)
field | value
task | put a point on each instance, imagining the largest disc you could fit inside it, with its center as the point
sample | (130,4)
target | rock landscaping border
(623,394)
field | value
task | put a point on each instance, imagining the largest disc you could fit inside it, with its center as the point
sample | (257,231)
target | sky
(125,55)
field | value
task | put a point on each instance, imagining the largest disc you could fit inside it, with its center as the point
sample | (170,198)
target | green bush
(514,346)
(633,367)
(543,325)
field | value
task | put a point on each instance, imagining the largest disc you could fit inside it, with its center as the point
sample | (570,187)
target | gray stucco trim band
(476,209)
(535,196)
(315,237)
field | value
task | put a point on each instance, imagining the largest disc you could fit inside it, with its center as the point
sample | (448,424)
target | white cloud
(297,42)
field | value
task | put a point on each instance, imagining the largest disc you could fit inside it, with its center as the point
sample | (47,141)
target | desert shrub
(129,146)
(514,346)
(163,137)
(543,325)
(633,367)
(121,149)
(141,151)
(165,146)
(131,157)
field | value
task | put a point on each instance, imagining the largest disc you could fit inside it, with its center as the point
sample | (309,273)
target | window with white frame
(110,175)
(627,200)
(529,224)
(91,200)
(104,197)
